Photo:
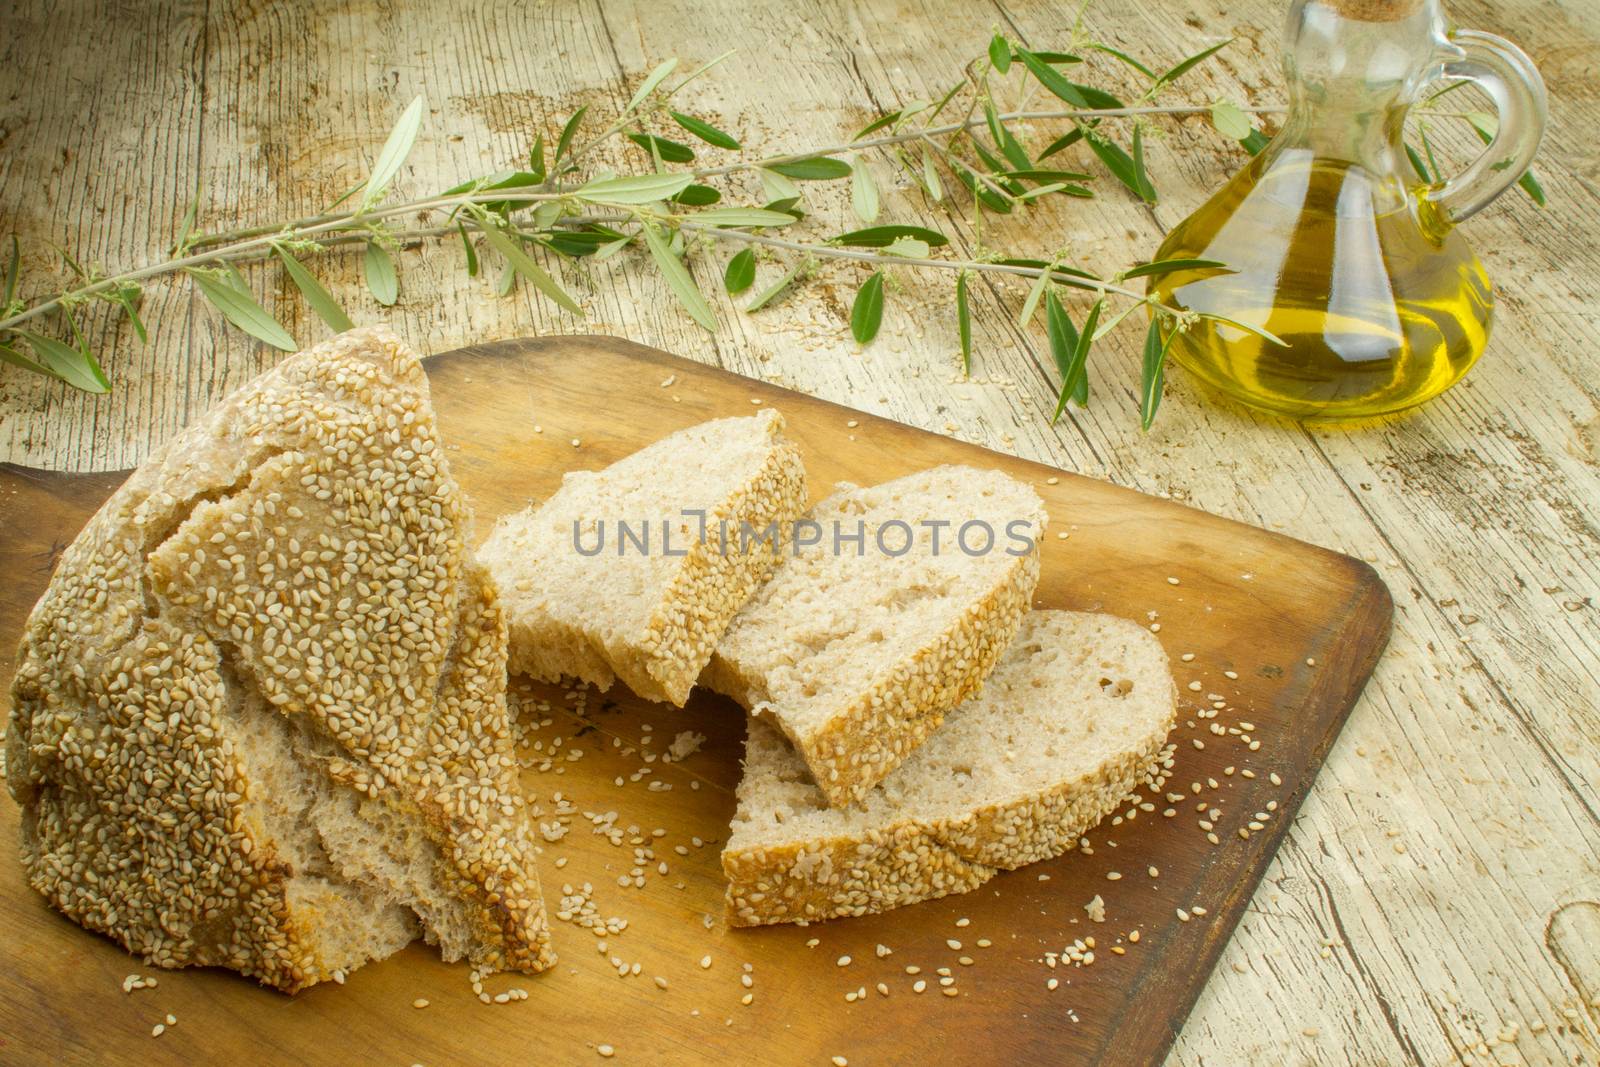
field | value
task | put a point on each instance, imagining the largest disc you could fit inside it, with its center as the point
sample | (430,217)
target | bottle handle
(1505,72)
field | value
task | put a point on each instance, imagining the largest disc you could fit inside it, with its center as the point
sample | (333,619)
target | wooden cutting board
(1300,627)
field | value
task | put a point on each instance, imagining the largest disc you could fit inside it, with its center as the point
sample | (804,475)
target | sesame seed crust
(900,854)
(659,636)
(267,649)
(906,699)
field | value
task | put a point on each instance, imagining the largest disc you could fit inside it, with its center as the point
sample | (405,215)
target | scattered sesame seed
(661,983)
(172,1020)
(606,1051)
(853,423)
(883,950)
(840,1061)
(1113,876)
(984,942)
(951,991)
(1183,916)
(1133,935)
(1052,984)
(705,962)
(747,999)
(420,1002)
(158,1029)
(963,922)
(918,986)
(844,961)
(576,443)
(1172,581)
(1052,480)
(1155,872)
(953,944)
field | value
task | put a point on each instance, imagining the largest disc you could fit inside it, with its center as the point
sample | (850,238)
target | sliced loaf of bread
(860,642)
(1073,719)
(623,573)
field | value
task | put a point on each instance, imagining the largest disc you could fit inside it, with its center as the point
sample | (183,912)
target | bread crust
(296,561)
(663,658)
(872,869)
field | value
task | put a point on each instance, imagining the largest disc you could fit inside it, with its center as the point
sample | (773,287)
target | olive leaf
(378,268)
(1184,67)
(651,80)
(740,273)
(999,53)
(1230,120)
(813,169)
(863,192)
(679,279)
(777,288)
(320,300)
(1153,371)
(964,322)
(518,259)
(393,154)
(663,149)
(472,253)
(866,314)
(239,307)
(705,131)
(636,189)
(1074,370)
(741,217)
(75,366)
(883,236)
(568,131)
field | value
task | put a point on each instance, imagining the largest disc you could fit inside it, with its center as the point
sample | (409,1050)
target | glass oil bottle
(1332,241)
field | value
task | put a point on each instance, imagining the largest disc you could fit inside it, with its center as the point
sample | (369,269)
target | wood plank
(1480,506)
(1299,627)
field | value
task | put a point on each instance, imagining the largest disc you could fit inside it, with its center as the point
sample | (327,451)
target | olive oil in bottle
(1331,240)
(1377,316)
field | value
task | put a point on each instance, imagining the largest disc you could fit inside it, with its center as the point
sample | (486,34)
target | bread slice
(1069,723)
(259,715)
(855,651)
(649,604)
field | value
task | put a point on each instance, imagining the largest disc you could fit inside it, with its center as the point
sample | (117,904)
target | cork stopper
(1374,10)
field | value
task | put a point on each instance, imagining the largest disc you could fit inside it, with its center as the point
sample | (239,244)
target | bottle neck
(1365,132)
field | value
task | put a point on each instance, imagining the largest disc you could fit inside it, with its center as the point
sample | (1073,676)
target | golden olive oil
(1379,311)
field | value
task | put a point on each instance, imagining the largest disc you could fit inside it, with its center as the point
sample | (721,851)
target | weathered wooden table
(1439,898)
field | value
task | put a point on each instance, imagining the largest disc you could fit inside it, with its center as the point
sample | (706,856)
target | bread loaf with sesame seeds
(1072,721)
(259,716)
(860,642)
(593,599)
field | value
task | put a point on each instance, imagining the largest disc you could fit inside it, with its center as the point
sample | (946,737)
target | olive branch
(559,205)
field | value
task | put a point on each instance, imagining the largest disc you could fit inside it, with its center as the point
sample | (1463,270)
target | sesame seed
(1113,876)
(963,922)
(883,950)
(661,983)
(984,942)
(158,1029)
(705,962)
(840,1061)
(844,961)
(576,443)
(1172,581)
(606,1051)
(913,969)
(172,1020)
(1052,984)
(919,985)
(953,944)
(1183,916)
(420,1002)
(747,999)
(951,991)
(1052,480)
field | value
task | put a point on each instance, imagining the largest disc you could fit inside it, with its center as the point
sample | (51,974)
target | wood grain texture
(1300,627)
(1476,743)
